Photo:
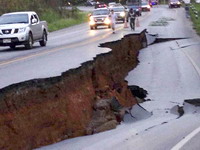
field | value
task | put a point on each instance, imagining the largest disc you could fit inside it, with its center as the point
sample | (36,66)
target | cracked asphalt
(170,72)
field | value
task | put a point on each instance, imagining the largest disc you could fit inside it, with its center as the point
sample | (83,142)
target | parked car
(90,3)
(99,17)
(120,13)
(114,4)
(145,6)
(174,3)
(22,28)
(111,4)
(100,5)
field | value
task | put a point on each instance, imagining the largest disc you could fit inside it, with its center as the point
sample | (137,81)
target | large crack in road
(85,100)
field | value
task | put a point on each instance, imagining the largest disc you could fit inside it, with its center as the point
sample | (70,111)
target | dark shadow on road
(101,28)
(160,40)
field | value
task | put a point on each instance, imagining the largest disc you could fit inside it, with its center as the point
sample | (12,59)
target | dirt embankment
(43,111)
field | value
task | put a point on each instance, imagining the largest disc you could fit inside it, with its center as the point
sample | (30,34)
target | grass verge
(64,23)
(196,20)
(56,22)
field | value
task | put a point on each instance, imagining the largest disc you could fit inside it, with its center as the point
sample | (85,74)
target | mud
(44,111)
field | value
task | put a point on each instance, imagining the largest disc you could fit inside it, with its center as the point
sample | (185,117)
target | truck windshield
(118,9)
(14,18)
(100,12)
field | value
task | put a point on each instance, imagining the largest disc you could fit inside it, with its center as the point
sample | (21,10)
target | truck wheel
(91,27)
(29,44)
(12,46)
(44,39)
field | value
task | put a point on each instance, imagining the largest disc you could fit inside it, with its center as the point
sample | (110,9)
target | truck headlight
(92,22)
(21,30)
(122,14)
(107,21)
(91,18)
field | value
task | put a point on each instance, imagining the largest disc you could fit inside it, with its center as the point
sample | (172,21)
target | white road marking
(193,63)
(40,53)
(186,139)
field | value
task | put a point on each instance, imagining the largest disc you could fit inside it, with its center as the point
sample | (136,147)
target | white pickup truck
(22,28)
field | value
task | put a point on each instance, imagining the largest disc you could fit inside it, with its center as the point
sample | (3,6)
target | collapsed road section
(81,101)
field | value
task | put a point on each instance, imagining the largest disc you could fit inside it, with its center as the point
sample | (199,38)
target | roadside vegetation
(53,11)
(195,16)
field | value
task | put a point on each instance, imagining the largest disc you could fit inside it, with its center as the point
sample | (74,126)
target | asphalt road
(192,144)
(170,73)
(70,47)
(66,49)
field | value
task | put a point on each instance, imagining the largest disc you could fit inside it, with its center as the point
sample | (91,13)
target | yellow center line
(56,49)
(62,47)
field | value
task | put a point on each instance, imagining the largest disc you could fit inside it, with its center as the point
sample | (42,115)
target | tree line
(40,6)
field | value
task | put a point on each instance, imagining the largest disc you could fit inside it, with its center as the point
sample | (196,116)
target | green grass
(196,21)
(64,23)
(57,16)
(56,22)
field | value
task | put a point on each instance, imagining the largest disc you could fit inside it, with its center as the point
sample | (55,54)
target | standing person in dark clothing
(132,17)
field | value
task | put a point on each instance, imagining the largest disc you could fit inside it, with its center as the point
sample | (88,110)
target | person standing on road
(132,17)
(113,20)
